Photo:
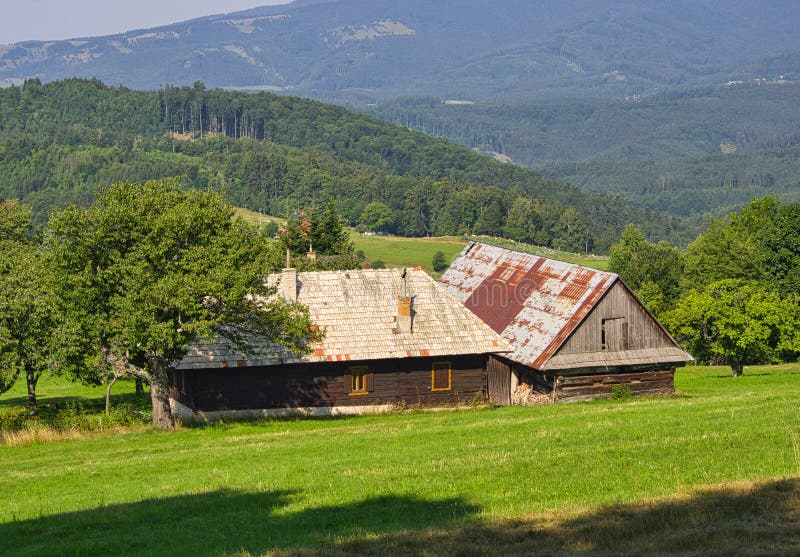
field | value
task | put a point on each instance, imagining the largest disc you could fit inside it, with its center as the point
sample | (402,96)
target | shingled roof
(533,302)
(358,312)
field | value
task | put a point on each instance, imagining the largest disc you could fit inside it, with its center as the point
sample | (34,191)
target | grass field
(713,471)
(396,251)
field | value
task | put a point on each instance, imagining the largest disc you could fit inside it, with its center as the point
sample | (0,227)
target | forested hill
(498,51)
(683,151)
(62,140)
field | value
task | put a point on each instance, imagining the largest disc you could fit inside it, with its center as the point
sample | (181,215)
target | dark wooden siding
(573,388)
(499,380)
(627,327)
(587,387)
(407,380)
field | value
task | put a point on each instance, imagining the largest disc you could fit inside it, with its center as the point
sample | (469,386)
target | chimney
(404,322)
(288,284)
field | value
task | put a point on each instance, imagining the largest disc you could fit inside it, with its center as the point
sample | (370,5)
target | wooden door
(499,375)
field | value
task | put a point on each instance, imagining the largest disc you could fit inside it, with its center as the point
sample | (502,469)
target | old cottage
(576,332)
(392,337)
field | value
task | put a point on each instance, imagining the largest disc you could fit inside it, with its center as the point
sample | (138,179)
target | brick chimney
(404,321)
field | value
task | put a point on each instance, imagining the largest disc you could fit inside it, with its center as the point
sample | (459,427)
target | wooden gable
(617,333)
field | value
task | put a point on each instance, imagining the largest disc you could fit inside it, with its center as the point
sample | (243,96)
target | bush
(439,262)
(378,264)
(622,391)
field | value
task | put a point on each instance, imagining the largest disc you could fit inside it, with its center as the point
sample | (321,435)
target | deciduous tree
(150,268)
(27,315)
(735,322)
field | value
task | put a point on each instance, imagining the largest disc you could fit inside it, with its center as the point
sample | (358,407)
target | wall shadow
(763,520)
(222,522)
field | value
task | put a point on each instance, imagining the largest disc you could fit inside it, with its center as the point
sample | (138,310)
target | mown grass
(411,252)
(397,251)
(603,477)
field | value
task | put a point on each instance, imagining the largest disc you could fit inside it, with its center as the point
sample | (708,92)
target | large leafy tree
(735,322)
(732,248)
(27,316)
(148,269)
(653,271)
(376,216)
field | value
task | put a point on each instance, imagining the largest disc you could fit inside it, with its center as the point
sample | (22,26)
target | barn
(576,332)
(392,337)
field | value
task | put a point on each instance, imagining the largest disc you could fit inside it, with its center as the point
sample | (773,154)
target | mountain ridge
(359,51)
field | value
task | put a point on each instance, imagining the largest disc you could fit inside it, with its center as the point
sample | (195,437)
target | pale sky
(22,20)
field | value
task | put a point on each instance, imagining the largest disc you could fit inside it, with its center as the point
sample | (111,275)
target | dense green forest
(59,142)
(688,152)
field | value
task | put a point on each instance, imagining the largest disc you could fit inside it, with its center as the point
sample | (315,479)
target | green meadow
(396,251)
(714,470)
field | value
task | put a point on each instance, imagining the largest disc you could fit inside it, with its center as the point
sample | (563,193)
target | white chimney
(288,285)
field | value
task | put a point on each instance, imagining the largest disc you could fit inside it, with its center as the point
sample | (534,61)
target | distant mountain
(503,51)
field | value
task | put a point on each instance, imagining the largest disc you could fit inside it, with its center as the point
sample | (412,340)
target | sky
(22,20)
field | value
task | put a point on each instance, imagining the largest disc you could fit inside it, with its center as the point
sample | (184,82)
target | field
(713,471)
(396,251)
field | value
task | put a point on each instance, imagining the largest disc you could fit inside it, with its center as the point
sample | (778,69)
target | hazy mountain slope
(367,49)
(62,140)
(687,152)
(677,123)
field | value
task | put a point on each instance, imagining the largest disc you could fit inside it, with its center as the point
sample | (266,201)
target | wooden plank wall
(574,388)
(406,380)
(620,306)
(587,387)
(499,380)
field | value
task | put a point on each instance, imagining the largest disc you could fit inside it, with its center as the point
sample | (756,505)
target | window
(603,343)
(624,336)
(180,381)
(358,381)
(441,376)
(614,334)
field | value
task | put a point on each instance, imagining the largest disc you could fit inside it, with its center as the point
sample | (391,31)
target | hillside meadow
(397,251)
(714,470)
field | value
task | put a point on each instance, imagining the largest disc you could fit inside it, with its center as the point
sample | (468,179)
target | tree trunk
(32,378)
(159,396)
(108,394)
(139,387)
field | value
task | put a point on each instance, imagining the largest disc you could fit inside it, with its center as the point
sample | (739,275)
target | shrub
(622,391)
(439,262)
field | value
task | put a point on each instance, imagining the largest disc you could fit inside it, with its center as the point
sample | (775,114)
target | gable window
(441,376)
(614,334)
(358,380)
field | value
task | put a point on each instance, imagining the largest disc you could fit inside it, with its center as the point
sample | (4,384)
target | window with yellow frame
(359,380)
(442,376)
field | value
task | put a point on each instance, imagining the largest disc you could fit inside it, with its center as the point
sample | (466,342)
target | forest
(691,151)
(60,141)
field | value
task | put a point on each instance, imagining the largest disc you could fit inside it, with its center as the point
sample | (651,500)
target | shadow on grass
(95,402)
(221,523)
(748,521)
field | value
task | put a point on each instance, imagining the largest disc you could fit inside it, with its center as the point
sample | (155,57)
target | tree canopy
(149,268)
(28,320)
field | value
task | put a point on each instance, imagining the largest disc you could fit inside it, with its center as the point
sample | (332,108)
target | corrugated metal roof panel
(533,302)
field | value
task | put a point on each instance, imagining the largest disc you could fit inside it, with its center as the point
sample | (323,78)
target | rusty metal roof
(358,312)
(533,302)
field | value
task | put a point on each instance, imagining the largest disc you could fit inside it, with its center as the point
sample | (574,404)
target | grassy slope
(396,251)
(541,476)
